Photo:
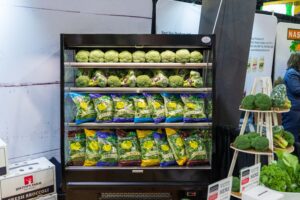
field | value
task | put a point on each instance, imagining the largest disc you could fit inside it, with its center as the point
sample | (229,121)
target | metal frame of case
(90,181)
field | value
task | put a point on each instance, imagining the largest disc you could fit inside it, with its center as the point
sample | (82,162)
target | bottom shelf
(95,168)
(236,195)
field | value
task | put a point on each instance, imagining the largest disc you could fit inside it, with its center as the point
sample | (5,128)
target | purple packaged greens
(123,108)
(85,111)
(165,152)
(156,103)
(108,143)
(104,107)
(194,107)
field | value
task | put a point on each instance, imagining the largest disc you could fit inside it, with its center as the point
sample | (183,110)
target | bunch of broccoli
(282,139)
(259,101)
(251,140)
(235,184)
(194,80)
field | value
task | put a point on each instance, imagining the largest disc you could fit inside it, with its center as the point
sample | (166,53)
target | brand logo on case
(28,180)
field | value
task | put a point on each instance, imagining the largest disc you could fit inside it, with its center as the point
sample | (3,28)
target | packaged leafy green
(165,152)
(76,140)
(85,111)
(129,80)
(160,79)
(104,107)
(156,103)
(177,145)
(173,107)
(128,148)
(142,109)
(98,79)
(123,108)
(194,107)
(195,148)
(92,154)
(149,149)
(108,143)
(209,109)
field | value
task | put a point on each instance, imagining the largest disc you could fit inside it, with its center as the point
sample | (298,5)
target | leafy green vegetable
(182,56)
(82,81)
(107,148)
(98,79)
(177,145)
(263,102)
(194,107)
(248,102)
(156,104)
(194,80)
(85,111)
(139,57)
(96,56)
(153,56)
(142,110)
(104,107)
(111,56)
(92,155)
(123,108)
(143,81)
(160,79)
(279,97)
(128,148)
(196,57)
(260,143)
(129,80)
(175,81)
(167,56)
(125,57)
(114,81)
(174,107)
(149,148)
(82,56)
(76,140)
(242,142)
(164,149)
(235,184)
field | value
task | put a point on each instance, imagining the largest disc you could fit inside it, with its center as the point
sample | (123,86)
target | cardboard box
(49,197)
(3,158)
(28,180)
(261,193)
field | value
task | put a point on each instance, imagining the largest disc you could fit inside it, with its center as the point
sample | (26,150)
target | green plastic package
(108,144)
(76,140)
(123,108)
(194,107)
(143,111)
(92,154)
(173,107)
(156,103)
(177,145)
(104,107)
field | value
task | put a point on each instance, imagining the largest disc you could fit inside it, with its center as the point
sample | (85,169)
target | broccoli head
(182,56)
(252,135)
(260,143)
(235,184)
(143,81)
(263,102)
(96,56)
(167,56)
(138,57)
(196,57)
(125,57)
(113,81)
(153,56)
(242,142)
(175,81)
(160,79)
(82,81)
(82,56)
(130,79)
(111,56)
(248,102)
(194,80)
(272,176)
(289,137)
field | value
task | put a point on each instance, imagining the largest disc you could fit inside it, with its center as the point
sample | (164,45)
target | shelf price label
(250,177)
(220,190)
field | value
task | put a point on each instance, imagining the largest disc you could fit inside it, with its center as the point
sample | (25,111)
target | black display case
(141,182)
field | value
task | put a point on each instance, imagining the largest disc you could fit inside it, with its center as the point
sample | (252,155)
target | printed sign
(260,60)
(250,177)
(220,190)
(287,42)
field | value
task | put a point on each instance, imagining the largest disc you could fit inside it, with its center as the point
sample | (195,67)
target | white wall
(29,62)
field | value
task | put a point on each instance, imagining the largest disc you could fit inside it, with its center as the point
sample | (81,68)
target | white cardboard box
(28,180)
(48,197)
(3,158)
(261,193)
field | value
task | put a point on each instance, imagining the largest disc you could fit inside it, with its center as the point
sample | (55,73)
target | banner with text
(261,53)
(287,42)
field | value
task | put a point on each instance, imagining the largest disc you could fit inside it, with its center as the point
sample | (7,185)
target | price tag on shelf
(220,190)
(250,177)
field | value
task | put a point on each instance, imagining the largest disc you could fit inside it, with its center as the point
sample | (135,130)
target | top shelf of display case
(140,65)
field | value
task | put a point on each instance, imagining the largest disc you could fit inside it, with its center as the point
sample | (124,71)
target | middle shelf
(132,125)
(136,90)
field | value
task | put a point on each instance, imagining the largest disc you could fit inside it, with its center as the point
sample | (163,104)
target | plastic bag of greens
(92,154)
(104,107)
(85,111)
(209,108)
(160,79)
(76,141)
(177,145)
(129,80)
(98,79)
(194,80)
(108,143)
(194,107)
(128,148)
(123,108)
(156,103)
(149,149)
(173,107)
(142,109)
(165,152)
(195,148)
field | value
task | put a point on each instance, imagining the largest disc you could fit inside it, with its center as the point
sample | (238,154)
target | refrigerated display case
(136,182)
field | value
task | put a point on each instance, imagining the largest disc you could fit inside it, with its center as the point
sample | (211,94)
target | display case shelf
(139,65)
(137,90)
(142,125)
(251,151)
(265,111)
